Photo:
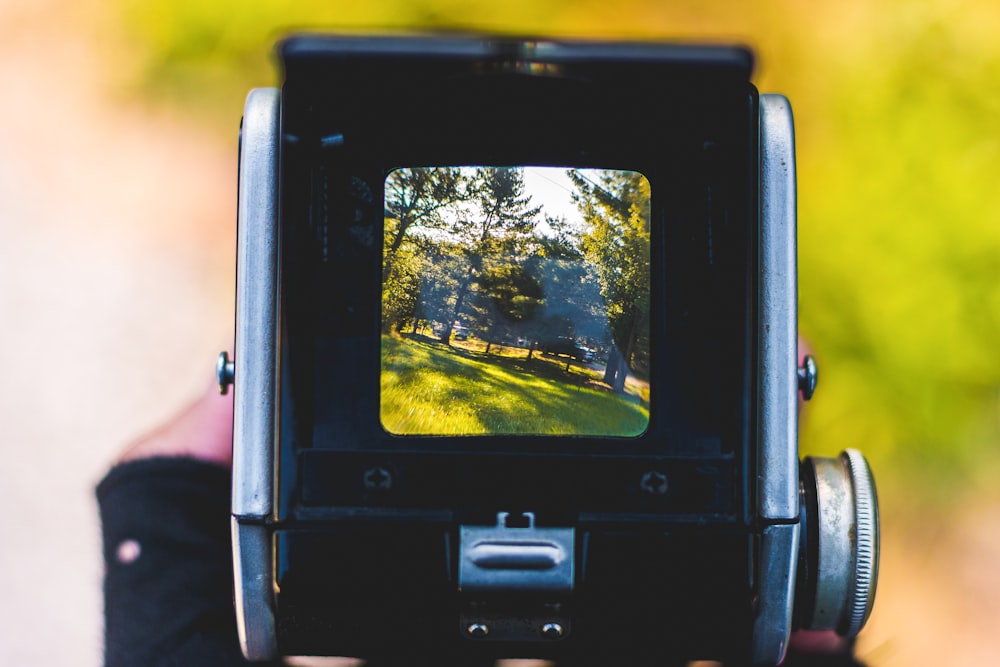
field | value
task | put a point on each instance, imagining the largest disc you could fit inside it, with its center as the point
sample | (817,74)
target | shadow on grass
(439,389)
(555,369)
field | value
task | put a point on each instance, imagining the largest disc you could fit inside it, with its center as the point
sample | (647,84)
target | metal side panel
(777,437)
(255,383)
(778,460)
(777,560)
(254,590)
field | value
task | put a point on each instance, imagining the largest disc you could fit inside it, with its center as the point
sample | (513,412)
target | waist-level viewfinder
(516,368)
(515,301)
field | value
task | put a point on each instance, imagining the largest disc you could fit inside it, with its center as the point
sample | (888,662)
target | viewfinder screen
(515,301)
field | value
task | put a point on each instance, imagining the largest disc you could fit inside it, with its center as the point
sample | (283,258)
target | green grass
(429,388)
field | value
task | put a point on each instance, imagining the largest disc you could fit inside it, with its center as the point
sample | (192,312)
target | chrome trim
(779,551)
(254,590)
(256,308)
(777,384)
(777,373)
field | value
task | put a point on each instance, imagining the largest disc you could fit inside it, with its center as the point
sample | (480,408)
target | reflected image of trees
(616,213)
(470,251)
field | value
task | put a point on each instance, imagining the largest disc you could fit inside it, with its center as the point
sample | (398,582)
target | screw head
(654,483)
(552,631)
(808,377)
(225,372)
(477,630)
(377,479)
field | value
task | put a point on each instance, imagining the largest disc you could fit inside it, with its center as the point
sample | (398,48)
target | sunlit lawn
(429,388)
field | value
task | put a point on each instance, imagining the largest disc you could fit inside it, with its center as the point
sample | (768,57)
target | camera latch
(514,577)
(510,557)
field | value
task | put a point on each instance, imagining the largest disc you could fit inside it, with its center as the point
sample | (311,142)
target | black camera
(516,362)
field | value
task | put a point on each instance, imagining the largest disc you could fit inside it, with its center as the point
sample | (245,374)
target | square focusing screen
(515,301)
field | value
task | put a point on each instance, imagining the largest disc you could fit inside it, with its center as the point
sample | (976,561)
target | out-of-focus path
(116,289)
(938,601)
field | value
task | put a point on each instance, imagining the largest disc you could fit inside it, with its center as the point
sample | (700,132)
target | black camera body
(474,422)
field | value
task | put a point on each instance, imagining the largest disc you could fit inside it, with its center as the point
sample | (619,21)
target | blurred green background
(897,108)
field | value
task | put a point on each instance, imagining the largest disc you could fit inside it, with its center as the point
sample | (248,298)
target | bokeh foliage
(898,134)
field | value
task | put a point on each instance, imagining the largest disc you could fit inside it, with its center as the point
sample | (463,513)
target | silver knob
(840,543)
(225,372)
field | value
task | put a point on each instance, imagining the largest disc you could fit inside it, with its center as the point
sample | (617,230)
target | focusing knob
(839,555)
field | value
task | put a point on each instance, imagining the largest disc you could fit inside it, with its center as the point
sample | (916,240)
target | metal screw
(654,483)
(378,478)
(477,630)
(225,372)
(808,377)
(552,631)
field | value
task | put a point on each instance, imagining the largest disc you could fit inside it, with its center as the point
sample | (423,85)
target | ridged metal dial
(840,545)
(866,555)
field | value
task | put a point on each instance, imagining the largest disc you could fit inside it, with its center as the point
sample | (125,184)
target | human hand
(819,642)
(203,431)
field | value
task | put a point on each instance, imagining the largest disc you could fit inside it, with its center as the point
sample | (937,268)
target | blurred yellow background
(117,188)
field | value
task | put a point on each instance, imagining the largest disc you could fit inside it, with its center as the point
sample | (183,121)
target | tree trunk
(459,300)
(616,370)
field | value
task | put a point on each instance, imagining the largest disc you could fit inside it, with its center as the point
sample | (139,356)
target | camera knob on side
(839,545)
(808,375)
(225,372)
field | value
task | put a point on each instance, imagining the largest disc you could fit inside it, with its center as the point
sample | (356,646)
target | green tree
(513,297)
(416,198)
(498,220)
(616,211)
(401,289)
(415,201)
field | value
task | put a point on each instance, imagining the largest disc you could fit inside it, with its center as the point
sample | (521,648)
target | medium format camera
(516,363)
